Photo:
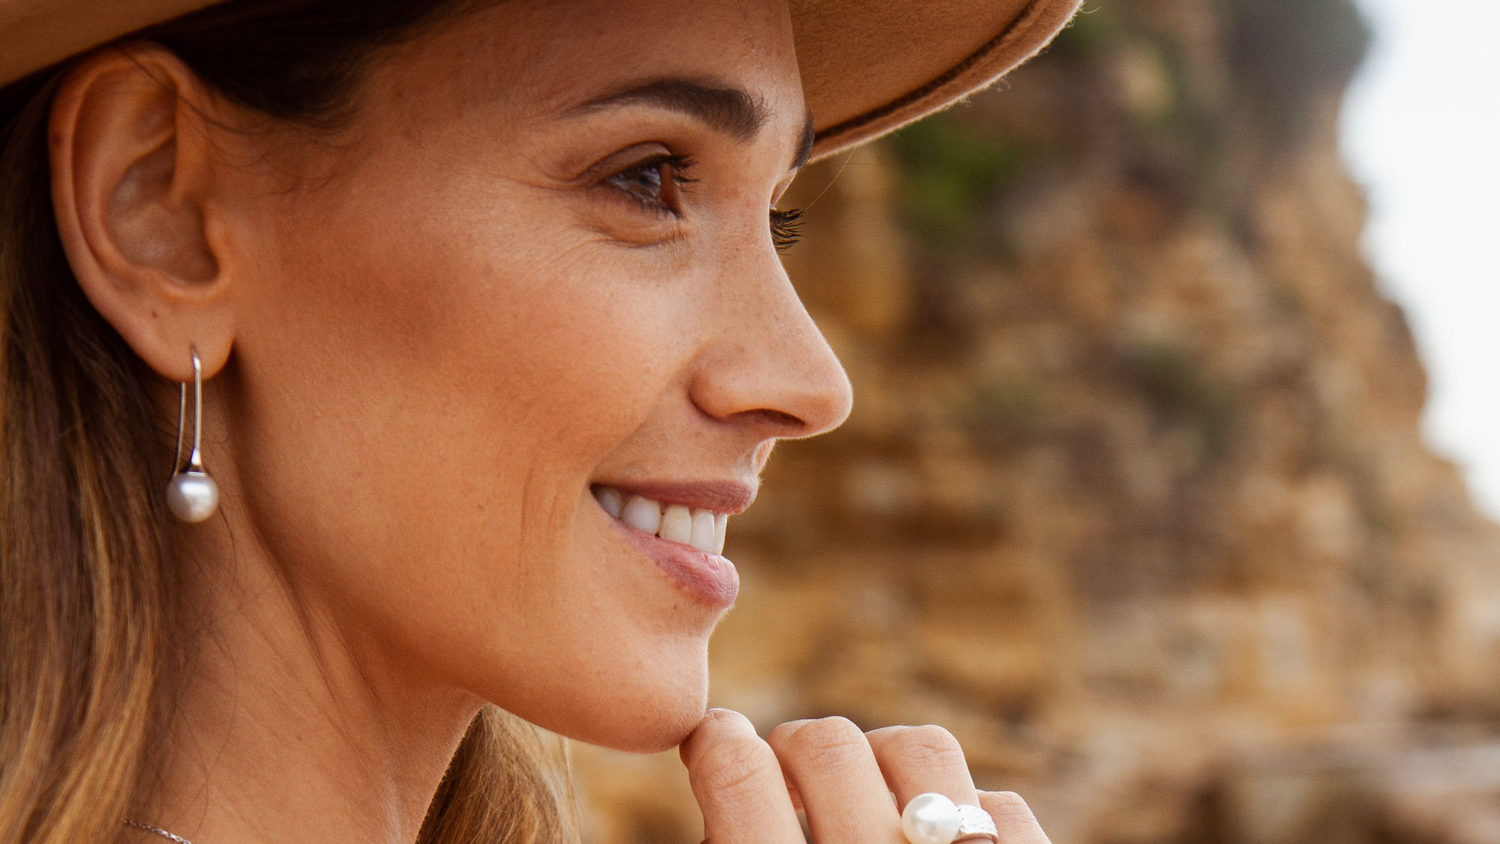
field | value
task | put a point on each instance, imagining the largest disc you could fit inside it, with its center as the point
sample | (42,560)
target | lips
(683,531)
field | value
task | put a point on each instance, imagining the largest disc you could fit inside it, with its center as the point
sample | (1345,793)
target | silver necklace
(156,829)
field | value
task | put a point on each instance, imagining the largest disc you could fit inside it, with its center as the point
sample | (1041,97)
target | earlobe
(133,194)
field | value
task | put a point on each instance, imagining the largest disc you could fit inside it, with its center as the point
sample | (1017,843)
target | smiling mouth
(695,527)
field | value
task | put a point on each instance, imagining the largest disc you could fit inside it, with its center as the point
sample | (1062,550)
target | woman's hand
(750,788)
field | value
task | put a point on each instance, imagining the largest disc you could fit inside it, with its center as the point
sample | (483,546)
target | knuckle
(823,741)
(928,746)
(1009,811)
(731,768)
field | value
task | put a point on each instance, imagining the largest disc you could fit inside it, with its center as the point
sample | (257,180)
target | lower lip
(711,578)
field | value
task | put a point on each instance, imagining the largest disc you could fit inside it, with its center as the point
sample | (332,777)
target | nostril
(782,419)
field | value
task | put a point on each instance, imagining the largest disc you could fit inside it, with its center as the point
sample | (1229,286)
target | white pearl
(930,818)
(192,496)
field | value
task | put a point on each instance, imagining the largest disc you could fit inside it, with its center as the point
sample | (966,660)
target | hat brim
(868,66)
(872,66)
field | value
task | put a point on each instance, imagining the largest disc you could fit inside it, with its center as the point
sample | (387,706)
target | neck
(283,726)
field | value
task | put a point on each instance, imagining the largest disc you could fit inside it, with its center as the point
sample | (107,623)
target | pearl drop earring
(192,495)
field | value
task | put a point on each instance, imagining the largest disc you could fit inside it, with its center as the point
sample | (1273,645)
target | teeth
(610,499)
(642,514)
(698,528)
(677,524)
(702,535)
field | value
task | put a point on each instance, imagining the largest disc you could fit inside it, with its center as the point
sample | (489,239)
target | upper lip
(729,497)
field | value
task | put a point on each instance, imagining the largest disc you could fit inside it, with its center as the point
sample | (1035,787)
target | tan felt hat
(868,66)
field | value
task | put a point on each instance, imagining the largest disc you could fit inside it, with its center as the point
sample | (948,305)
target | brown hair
(87,576)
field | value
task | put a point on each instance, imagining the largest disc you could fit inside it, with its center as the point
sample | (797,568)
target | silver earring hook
(195,459)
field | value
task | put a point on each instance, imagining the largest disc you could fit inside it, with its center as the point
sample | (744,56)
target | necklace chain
(156,829)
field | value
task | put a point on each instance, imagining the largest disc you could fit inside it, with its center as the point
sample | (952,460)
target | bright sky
(1422,133)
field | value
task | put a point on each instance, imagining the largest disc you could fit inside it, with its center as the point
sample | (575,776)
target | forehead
(552,55)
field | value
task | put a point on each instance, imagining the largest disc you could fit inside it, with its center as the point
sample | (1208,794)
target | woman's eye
(643,181)
(657,183)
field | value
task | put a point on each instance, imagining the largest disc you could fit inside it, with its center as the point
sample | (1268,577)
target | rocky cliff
(1133,498)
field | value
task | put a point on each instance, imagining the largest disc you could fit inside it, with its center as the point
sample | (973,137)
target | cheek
(424,392)
(439,330)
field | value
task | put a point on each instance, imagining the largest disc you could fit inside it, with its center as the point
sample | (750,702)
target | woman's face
(534,277)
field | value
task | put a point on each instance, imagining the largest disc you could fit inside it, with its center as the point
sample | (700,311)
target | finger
(920,759)
(796,798)
(737,782)
(1013,818)
(835,773)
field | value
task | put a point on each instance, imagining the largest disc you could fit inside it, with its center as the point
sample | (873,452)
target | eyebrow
(732,111)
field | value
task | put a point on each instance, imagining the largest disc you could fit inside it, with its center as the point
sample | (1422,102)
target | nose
(769,366)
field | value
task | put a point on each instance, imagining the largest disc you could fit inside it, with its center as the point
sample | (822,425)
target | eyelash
(786,225)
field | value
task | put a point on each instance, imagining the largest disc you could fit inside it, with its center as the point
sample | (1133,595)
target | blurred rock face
(1133,498)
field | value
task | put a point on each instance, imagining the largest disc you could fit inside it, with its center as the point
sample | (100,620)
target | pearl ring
(932,818)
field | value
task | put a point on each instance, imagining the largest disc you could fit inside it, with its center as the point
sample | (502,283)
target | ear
(133,190)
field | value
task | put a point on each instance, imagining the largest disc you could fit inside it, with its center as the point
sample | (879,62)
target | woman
(482,307)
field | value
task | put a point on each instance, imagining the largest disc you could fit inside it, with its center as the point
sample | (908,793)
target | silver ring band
(975,823)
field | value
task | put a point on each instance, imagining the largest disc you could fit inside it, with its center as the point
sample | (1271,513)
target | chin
(638,720)
(661,734)
(645,743)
